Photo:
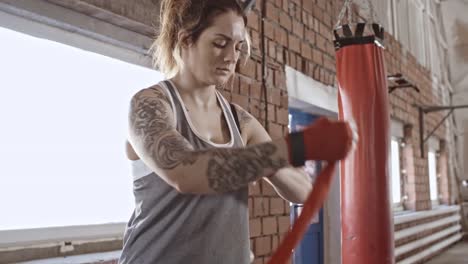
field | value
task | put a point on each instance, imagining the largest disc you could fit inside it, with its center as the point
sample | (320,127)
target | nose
(231,54)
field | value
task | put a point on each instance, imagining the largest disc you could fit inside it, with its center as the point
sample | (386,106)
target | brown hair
(192,17)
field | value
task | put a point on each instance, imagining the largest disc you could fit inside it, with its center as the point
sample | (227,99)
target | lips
(224,71)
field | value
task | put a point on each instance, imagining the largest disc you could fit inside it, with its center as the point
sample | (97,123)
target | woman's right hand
(323,140)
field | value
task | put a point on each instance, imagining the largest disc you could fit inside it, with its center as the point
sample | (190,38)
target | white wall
(454,13)
(316,98)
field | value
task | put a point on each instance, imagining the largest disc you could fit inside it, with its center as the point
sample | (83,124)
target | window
(395,171)
(64,112)
(417,30)
(417,25)
(402,22)
(432,163)
(437,46)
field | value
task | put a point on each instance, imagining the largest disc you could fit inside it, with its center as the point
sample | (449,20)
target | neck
(193,92)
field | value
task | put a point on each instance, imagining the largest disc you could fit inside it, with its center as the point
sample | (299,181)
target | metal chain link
(347,7)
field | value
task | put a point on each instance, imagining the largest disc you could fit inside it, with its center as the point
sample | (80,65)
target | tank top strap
(230,116)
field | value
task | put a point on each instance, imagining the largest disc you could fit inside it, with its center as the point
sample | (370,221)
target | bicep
(153,134)
(252,131)
(257,133)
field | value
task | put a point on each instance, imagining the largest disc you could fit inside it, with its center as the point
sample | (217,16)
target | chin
(220,80)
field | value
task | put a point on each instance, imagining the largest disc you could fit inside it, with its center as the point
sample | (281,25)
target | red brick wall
(298,34)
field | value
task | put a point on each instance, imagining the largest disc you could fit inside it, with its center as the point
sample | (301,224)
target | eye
(240,47)
(220,43)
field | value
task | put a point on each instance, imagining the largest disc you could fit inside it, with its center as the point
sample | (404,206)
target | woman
(192,164)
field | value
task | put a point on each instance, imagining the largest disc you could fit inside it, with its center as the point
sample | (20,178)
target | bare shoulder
(149,104)
(245,118)
(154,91)
(253,131)
(149,115)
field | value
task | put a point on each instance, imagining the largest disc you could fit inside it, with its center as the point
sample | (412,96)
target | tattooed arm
(292,184)
(156,141)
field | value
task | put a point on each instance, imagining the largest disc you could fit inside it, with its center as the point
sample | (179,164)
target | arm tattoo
(244,118)
(172,151)
(227,171)
(149,115)
(151,120)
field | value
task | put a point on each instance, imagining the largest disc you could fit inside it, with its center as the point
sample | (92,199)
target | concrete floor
(457,254)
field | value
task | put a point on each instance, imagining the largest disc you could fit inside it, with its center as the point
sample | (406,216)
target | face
(212,58)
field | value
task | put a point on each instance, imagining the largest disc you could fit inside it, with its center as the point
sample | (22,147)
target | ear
(184,39)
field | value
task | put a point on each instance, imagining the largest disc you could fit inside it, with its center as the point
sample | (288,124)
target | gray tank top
(172,228)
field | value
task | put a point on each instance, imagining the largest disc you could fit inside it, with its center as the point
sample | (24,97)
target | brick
(271,113)
(254,189)
(258,75)
(287,207)
(321,42)
(272,12)
(253,21)
(285,5)
(256,90)
(244,90)
(269,225)
(310,36)
(255,38)
(285,21)
(279,79)
(267,189)
(318,13)
(276,206)
(317,57)
(308,6)
(262,246)
(298,14)
(284,101)
(258,260)
(305,18)
(298,29)
(241,100)
(294,43)
(329,63)
(255,227)
(261,206)
(283,224)
(269,30)
(275,131)
(272,49)
(322,4)
(306,50)
(274,243)
(282,116)
(280,55)
(281,36)
(275,96)
(248,68)
(293,60)
(324,31)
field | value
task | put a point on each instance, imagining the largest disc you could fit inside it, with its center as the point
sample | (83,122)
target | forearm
(292,184)
(221,170)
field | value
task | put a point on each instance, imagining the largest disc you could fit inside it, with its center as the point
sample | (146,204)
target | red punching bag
(366,220)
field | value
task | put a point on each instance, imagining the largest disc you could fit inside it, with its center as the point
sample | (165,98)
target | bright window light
(432,175)
(395,171)
(64,125)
